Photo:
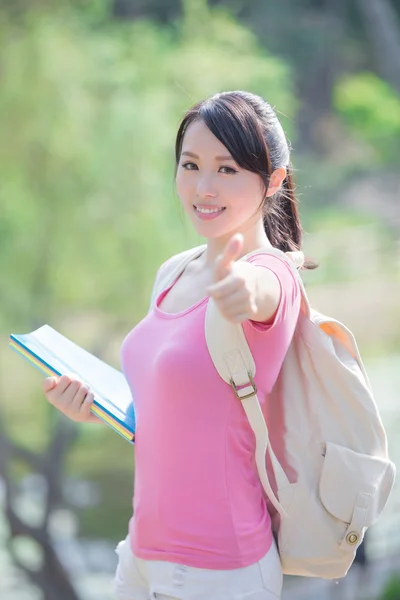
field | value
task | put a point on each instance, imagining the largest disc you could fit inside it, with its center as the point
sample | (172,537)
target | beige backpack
(321,449)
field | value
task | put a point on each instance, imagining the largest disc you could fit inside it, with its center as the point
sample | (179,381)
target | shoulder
(284,270)
(284,266)
(172,268)
(182,258)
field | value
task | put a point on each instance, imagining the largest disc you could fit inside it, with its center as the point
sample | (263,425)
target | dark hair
(250,130)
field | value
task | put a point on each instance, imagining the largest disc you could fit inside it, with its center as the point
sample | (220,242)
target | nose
(206,187)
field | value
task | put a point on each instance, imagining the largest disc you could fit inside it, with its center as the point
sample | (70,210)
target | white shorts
(138,579)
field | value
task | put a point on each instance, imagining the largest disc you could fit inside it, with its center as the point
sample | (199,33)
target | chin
(213,234)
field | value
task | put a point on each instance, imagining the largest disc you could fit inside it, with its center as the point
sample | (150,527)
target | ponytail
(282,220)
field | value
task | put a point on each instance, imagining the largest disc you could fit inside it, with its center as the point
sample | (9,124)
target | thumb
(48,384)
(231,252)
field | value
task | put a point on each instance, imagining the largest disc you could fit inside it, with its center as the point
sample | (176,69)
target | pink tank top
(197,498)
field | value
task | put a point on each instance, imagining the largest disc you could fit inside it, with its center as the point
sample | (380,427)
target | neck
(253,238)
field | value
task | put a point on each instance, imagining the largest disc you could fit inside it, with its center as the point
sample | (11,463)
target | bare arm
(266,289)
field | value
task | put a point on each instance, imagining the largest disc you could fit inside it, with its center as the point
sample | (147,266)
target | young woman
(201,529)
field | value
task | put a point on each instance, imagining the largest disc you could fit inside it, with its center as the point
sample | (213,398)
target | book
(54,354)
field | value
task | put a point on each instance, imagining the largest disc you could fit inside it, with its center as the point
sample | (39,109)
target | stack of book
(54,354)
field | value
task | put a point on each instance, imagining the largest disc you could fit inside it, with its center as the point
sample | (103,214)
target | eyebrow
(224,157)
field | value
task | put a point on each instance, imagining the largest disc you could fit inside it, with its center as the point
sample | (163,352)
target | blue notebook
(54,354)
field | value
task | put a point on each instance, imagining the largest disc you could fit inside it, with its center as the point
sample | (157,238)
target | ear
(276,181)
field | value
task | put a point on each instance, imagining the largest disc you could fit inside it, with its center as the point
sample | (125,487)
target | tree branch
(383,28)
(51,578)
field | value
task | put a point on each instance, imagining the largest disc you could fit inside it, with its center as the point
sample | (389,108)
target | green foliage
(392,589)
(371,108)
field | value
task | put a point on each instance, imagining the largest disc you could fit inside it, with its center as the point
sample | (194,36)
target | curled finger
(87,404)
(79,397)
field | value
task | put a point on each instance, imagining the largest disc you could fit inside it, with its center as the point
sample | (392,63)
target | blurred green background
(91,95)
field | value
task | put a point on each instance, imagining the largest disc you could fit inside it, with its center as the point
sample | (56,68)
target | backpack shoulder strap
(235,364)
(171,269)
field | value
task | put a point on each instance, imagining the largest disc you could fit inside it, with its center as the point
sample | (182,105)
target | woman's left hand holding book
(72,397)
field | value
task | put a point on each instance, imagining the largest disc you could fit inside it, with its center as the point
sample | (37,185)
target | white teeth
(208,210)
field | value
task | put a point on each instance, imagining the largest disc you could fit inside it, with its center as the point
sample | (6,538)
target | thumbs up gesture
(234,283)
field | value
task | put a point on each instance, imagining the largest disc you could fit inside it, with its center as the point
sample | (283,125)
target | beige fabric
(321,450)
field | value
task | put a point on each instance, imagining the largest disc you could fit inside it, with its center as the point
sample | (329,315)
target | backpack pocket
(354,488)
(329,514)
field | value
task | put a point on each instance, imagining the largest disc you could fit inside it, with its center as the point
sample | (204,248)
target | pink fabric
(198,500)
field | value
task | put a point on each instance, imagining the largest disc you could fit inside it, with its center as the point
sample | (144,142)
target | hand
(71,397)
(234,284)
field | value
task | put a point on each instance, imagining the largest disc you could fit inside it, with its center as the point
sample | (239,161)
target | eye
(230,170)
(189,166)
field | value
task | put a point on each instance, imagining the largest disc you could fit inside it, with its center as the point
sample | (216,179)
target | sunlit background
(91,94)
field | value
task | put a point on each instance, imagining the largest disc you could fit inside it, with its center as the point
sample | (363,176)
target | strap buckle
(237,390)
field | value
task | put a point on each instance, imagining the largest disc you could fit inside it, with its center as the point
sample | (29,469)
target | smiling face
(220,197)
